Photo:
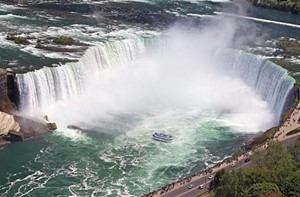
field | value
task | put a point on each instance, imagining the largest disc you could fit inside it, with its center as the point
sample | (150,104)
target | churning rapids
(190,83)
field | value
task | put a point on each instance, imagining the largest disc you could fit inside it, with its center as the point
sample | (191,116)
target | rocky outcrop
(74,127)
(61,44)
(9,129)
(17,39)
(14,128)
(32,127)
(52,126)
(8,123)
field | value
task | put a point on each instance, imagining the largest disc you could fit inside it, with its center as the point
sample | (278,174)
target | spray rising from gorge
(137,78)
(176,72)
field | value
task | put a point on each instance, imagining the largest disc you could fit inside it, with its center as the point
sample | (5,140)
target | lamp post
(205,184)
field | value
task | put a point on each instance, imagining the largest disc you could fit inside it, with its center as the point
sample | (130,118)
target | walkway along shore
(181,185)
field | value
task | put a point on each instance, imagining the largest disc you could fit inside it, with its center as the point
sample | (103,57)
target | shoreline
(285,6)
(288,125)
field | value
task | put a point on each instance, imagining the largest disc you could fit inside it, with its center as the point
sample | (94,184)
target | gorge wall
(15,127)
(8,92)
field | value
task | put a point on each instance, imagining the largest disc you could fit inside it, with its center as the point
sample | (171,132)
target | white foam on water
(12,16)
(259,19)
(74,135)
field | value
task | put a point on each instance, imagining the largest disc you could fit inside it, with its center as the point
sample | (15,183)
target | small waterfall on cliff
(41,88)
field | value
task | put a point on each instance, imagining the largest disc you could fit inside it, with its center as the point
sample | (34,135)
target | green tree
(295,151)
(258,158)
(232,185)
(258,175)
(275,174)
(277,156)
(290,186)
(263,189)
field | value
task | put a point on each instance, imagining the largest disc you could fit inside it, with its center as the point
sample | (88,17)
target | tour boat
(162,137)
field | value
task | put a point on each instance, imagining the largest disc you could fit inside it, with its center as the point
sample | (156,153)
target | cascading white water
(43,87)
(269,80)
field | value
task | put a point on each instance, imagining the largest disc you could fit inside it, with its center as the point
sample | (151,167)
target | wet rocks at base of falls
(15,136)
(15,128)
(51,126)
(19,128)
(31,127)
(75,127)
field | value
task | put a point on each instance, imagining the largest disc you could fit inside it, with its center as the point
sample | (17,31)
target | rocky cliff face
(8,92)
(7,123)
(16,128)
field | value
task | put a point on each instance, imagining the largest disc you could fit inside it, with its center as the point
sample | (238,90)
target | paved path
(181,188)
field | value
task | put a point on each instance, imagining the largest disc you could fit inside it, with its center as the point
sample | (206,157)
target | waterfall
(41,88)
(269,80)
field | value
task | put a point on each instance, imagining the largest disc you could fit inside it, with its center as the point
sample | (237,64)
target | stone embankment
(15,127)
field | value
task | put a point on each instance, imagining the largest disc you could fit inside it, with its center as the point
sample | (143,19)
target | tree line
(275,173)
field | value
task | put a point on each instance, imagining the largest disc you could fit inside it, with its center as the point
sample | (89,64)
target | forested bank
(292,6)
(275,173)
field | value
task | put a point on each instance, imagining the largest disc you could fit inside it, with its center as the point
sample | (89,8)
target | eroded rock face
(14,128)
(8,123)
(9,129)
(6,105)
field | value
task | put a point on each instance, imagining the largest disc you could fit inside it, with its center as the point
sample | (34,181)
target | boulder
(74,127)
(52,126)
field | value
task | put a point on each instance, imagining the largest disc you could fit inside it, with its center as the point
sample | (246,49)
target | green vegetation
(275,173)
(261,139)
(18,39)
(64,40)
(285,5)
(291,46)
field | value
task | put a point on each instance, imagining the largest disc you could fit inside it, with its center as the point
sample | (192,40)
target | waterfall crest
(269,80)
(41,88)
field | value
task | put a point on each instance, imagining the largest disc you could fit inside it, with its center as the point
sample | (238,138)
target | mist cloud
(183,77)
